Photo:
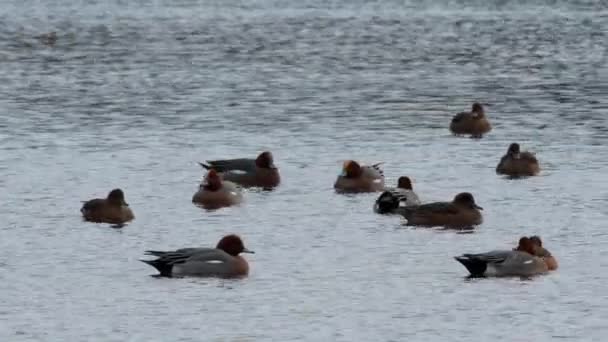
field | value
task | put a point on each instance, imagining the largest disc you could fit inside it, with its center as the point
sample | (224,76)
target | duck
(516,163)
(462,212)
(259,172)
(215,193)
(113,209)
(357,178)
(505,263)
(48,39)
(543,253)
(222,261)
(474,123)
(392,198)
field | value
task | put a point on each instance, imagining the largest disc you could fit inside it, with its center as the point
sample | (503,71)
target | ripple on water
(132,96)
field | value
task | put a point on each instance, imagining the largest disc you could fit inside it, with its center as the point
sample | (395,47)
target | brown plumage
(259,172)
(462,212)
(359,178)
(516,163)
(215,193)
(474,123)
(112,209)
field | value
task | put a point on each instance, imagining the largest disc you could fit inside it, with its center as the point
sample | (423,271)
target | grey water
(133,94)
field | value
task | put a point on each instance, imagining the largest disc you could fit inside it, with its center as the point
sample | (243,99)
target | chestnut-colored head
(526,245)
(536,240)
(404,183)
(466,199)
(477,109)
(351,169)
(213,181)
(233,245)
(117,197)
(265,161)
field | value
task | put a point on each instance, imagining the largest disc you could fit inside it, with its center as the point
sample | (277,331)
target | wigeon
(474,122)
(462,212)
(516,163)
(259,172)
(504,263)
(543,253)
(359,178)
(112,209)
(216,193)
(401,196)
(222,261)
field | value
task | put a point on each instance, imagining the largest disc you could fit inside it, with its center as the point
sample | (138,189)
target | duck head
(536,240)
(233,245)
(477,110)
(526,245)
(351,169)
(404,182)
(514,150)
(265,161)
(465,199)
(117,197)
(213,181)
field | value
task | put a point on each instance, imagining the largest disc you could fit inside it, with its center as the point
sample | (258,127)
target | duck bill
(245,250)
(477,207)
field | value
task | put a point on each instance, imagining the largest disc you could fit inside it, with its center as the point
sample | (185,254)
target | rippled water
(132,94)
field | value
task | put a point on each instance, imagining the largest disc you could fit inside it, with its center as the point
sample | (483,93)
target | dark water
(132,94)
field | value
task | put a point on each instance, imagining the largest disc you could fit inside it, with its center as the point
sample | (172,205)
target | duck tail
(155,253)
(386,203)
(163,268)
(205,166)
(477,267)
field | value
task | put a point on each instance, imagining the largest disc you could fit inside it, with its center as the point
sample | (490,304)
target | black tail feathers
(475,266)
(163,268)
(387,203)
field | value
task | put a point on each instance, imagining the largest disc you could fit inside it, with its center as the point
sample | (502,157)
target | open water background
(132,94)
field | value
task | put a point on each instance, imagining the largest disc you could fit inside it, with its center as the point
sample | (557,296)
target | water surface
(133,94)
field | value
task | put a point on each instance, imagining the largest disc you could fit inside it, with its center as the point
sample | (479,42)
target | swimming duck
(48,39)
(516,163)
(259,172)
(402,195)
(474,122)
(462,212)
(214,193)
(112,209)
(222,261)
(359,178)
(504,263)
